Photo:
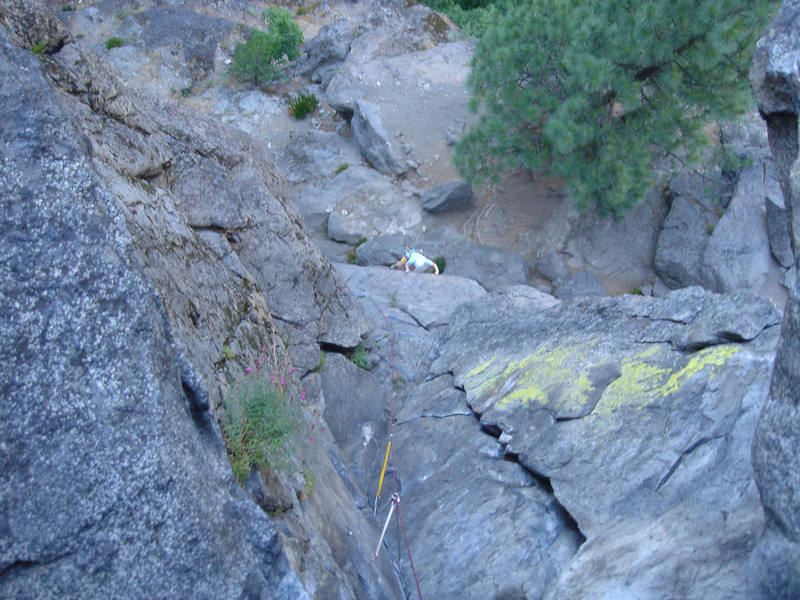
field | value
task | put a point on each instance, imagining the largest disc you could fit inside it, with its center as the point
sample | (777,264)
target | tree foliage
(471,16)
(593,91)
(259,58)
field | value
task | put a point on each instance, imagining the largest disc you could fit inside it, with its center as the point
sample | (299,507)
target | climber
(414,260)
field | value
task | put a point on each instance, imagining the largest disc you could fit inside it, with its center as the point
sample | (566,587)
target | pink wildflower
(248,370)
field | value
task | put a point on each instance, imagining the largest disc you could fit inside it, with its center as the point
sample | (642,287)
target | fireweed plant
(264,424)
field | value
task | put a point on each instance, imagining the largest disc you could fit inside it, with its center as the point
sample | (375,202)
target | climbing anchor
(395,501)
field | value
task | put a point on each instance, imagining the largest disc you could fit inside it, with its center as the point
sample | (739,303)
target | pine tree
(594,90)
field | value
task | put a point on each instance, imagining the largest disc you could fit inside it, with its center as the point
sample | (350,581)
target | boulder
(372,139)
(732,261)
(551,266)
(454,195)
(330,46)
(383,250)
(371,209)
(682,241)
(622,250)
(196,34)
(780,240)
(644,441)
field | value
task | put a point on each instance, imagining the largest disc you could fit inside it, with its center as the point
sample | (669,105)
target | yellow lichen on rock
(644,381)
(549,375)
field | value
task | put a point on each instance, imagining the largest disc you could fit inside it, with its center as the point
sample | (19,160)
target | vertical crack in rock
(542,480)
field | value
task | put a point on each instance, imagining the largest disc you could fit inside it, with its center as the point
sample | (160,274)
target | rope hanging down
(395,498)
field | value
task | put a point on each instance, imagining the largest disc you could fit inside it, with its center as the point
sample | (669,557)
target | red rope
(392,448)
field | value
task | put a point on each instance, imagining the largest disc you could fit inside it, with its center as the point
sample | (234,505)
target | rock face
(543,448)
(776,447)
(114,478)
(491,267)
(196,199)
(650,404)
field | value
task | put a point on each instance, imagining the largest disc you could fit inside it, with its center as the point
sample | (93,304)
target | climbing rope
(395,497)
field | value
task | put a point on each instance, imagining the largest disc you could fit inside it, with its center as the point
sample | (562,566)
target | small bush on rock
(360,358)
(262,420)
(302,105)
(113,42)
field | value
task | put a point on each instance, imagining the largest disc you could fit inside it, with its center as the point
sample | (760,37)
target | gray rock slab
(427,299)
(491,267)
(317,200)
(660,434)
(355,404)
(316,155)
(373,208)
(505,530)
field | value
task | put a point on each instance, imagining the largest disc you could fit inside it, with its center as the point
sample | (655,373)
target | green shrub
(302,106)
(360,358)
(440,262)
(67,8)
(114,42)
(340,168)
(471,16)
(259,59)
(262,422)
(288,35)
